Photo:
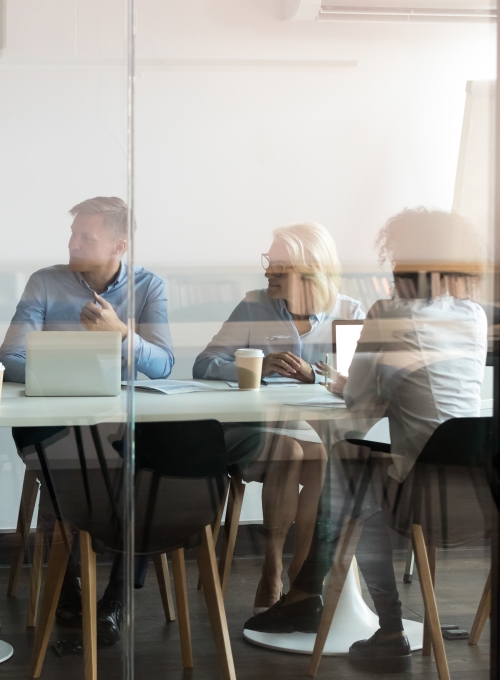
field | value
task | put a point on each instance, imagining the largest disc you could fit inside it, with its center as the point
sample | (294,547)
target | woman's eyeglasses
(276,268)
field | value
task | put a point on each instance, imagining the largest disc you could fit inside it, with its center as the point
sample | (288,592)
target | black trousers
(374,550)
(47,518)
(116,582)
(26,439)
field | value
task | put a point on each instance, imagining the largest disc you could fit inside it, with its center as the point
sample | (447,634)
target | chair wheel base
(6,651)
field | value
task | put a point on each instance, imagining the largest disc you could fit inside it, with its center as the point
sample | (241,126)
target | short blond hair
(113,209)
(313,255)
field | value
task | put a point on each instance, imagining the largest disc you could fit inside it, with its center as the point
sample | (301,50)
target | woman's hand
(288,365)
(338,380)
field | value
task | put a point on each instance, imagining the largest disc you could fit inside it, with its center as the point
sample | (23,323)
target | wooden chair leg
(58,560)
(36,578)
(341,564)
(431,611)
(427,642)
(26,510)
(207,564)
(89,606)
(482,614)
(181,597)
(233,512)
(163,576)
(216,526)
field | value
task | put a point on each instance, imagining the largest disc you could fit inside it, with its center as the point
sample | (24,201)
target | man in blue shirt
(90,294)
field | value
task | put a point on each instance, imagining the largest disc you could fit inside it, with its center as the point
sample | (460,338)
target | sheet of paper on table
(170,386)
(320,402)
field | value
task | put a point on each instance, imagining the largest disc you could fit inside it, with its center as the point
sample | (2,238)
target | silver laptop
(73,363)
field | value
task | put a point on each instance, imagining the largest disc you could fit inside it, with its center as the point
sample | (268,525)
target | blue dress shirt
(53,299)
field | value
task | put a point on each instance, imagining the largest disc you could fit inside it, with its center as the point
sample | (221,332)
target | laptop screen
(345,337)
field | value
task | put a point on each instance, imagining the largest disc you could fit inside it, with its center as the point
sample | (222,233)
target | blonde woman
(291,322)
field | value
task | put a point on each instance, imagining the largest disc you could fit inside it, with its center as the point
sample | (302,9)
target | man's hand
(289,365)
(101,318)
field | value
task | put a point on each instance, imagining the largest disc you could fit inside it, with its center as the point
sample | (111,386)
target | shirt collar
(122,274)
(314,319)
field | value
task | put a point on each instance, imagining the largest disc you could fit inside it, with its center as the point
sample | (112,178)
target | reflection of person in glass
(90,293)
(420,357)
(291,323)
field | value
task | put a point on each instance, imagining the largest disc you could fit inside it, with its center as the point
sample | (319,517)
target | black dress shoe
(69,607)
(109,621)
(303,616)
(381,656)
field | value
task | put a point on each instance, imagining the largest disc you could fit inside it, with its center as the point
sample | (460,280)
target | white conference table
(353,619)
(222,403)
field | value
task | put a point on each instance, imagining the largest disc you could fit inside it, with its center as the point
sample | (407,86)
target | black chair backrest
(448,491)
(180,478)
(460,441)
(181,449)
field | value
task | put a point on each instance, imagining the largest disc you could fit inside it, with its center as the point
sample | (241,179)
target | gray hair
(114,210)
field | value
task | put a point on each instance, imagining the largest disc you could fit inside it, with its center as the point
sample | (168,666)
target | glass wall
(63,74)
(280,229)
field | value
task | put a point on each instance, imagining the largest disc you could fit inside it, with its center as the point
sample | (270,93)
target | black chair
(180,479)
(34,437)
(445,501)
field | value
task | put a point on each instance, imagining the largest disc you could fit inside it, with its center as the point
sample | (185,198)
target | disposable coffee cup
(2,371)
(249,365)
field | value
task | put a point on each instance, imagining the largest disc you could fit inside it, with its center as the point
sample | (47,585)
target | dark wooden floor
(461,576)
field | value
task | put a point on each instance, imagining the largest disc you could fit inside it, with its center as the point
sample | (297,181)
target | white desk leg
(6,651)
(353,620)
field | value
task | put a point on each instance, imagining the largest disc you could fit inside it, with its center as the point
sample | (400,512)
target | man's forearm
(152,360)
(15,368)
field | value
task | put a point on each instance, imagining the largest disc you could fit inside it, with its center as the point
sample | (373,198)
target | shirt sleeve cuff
(137,345)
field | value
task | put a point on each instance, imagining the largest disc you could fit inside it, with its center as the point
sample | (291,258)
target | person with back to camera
(421,356)
(291,322)
(90,294)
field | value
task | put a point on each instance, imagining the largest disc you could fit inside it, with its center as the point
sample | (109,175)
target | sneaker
(69,607)
(303,616)
(109,621)
(381,656)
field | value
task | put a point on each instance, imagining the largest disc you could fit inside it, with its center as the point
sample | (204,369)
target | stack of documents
(280,380)
(271,382)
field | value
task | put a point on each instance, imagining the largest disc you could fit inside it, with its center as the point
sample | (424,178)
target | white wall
(227,149)
(350,124)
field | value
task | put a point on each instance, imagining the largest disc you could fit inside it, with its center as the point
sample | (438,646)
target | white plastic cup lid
(249,352)
(2,367)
